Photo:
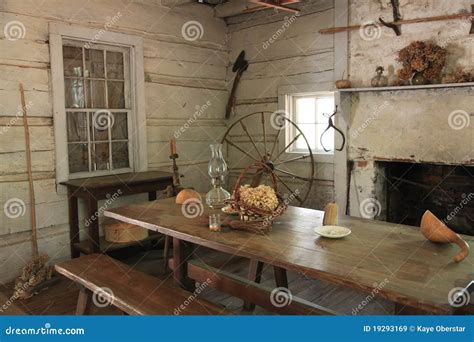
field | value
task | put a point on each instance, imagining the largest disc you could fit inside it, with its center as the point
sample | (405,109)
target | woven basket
(259,220)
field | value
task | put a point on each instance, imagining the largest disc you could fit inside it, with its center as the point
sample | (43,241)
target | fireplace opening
(446,190)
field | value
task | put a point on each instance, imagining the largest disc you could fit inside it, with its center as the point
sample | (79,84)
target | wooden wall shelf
(408,87)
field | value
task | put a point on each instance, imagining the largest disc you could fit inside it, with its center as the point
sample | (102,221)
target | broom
(34,272)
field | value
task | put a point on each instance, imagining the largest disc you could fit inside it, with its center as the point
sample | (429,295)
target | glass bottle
(379,80)
(217,170)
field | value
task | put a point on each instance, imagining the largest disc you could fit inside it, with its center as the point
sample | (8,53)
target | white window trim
(287,92)
(138,140)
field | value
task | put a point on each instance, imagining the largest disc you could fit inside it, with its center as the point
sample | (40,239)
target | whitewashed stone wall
(407,125)
(180,75)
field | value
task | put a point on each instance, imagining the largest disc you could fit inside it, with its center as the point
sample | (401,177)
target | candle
(173,146)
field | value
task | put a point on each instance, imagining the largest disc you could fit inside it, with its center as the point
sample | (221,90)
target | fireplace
(408,189)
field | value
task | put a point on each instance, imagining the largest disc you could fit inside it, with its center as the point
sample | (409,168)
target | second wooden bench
(131,291)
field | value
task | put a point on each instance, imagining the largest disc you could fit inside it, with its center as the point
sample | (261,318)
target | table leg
(73,223)
(255,275)
(166,250)
(152,196)
(281,279)
(181,254)
(93,221)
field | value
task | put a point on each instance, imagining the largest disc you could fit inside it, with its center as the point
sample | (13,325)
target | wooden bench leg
(281,279)
(181,254)
(255,275)
(83,301)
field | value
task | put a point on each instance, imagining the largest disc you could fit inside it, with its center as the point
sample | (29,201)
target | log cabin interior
(232,157)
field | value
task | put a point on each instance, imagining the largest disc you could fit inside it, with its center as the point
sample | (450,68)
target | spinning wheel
(255,138)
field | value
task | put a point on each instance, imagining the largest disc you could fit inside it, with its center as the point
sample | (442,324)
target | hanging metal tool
(240,66)
(331,125)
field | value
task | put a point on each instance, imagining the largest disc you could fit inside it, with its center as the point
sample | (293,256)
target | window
(99,117)
(307,111)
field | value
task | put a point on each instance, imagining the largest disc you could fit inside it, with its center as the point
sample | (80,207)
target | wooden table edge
(315,274)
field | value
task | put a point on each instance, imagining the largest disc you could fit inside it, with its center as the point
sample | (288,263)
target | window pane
(115,65)
(101,156)
(328,137)
(99,124)
(120,155)
(116,94)
(305,110)
(94,63)
(72,61)
(97,94)
(78,158)
(74,93)
(76,127)
(324,105)
(120,127)
(310,134)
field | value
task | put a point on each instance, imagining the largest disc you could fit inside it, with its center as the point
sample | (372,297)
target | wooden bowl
(436,231)
(342,84)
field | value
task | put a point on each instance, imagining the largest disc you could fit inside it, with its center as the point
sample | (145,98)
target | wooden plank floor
(60,299)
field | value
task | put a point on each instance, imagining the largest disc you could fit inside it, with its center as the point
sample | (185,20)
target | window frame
(286,96)
(137,119)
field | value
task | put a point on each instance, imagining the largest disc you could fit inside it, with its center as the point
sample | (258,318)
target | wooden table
(93,189)
(395,261)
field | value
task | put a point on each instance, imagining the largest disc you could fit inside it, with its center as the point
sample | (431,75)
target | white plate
(332,232)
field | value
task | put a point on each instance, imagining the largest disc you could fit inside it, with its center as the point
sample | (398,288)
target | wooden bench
(108,281)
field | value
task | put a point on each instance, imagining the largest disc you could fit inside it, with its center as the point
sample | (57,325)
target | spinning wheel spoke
(289,144)
(292,174)
(289,189)
(241,150)
(274,143)
(293,159)
(265,152)
(250,137)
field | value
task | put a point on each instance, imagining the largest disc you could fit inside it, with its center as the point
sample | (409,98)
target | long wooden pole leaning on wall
(400,22)
(34,235)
